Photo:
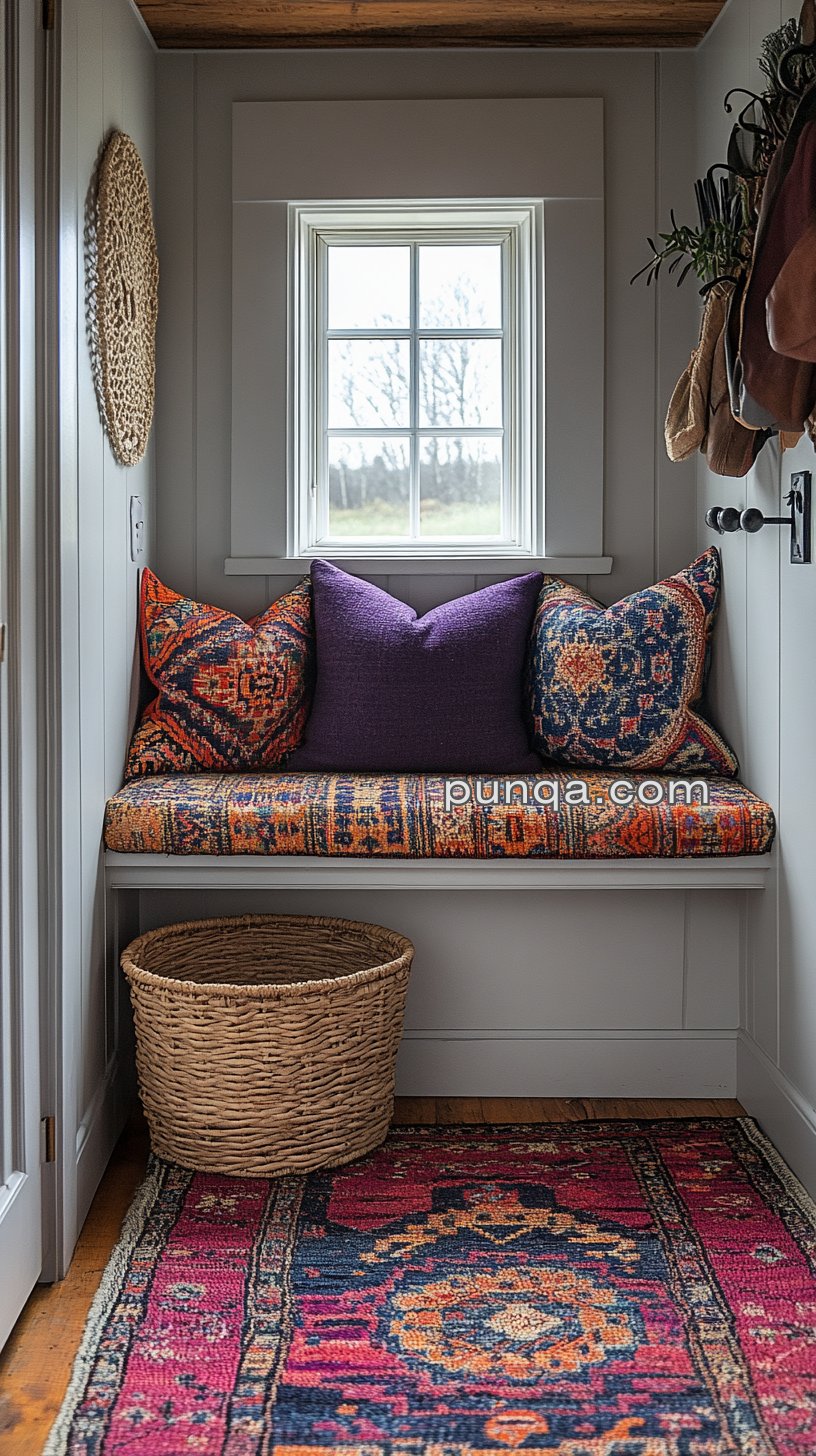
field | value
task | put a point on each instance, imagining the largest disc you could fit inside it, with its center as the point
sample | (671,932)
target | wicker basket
(265,1044)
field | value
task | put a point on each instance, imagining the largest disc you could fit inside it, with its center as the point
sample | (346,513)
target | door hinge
(2,641)
(49,14)
(48,1140)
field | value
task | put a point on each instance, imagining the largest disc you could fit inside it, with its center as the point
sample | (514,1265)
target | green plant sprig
(718,249)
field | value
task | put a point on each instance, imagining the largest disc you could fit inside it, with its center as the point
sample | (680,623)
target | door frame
(58,638)
(21,1193)
(85,1132)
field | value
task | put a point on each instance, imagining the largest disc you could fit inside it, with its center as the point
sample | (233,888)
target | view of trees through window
(414,419)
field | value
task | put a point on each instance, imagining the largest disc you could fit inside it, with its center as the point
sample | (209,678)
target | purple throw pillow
(401,693)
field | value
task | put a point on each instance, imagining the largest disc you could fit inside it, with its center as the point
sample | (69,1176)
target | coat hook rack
(726,519)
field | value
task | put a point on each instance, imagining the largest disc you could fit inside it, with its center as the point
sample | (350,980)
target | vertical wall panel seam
(778,865)
(657,195)
(194,361)
(684,988)
(778,869)
(76,486)
(746,969)
(745,981)
(107,972)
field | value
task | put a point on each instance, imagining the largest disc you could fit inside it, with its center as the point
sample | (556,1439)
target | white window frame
(517,229)
(446,153)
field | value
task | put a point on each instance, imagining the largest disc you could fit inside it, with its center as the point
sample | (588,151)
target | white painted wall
(765,695)
(106,81)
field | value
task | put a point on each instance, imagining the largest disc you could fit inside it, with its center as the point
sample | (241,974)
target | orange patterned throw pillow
(232,695)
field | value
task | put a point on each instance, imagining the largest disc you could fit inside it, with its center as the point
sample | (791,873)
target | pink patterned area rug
(588,1289)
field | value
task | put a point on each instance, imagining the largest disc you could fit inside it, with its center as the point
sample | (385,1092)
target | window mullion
(414,365)
(509,483)
(320,481)
(377,432)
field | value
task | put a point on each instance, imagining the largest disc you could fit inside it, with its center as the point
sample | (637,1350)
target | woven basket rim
(140,975)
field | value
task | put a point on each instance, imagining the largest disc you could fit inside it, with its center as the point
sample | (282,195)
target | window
(414,407)
(521,175)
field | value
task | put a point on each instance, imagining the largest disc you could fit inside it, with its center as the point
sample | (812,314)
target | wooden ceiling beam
(274,24)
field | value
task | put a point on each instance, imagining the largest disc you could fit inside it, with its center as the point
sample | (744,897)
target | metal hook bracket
(729,519)
(798,498)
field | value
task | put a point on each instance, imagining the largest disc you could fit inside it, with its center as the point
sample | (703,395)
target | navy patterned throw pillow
(622,686)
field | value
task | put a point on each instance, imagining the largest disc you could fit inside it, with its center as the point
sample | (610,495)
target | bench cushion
(404,816)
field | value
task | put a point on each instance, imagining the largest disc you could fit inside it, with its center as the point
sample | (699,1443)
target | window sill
(423,565)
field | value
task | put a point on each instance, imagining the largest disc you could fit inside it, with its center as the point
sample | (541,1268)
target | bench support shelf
(280,872)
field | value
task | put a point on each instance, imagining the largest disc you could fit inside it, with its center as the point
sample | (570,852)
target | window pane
(368,383)
(369,288)
(369,487)
(460,286)
(460,383)
(460,485)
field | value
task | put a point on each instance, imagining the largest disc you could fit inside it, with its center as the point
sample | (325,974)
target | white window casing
(311,232)
(527,172)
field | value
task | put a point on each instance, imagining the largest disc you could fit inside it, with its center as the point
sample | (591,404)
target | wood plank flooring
(36,1362)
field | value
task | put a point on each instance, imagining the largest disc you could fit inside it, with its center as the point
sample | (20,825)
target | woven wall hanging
(123,277)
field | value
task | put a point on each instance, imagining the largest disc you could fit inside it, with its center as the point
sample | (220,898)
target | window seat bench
(530,978)
(285,829)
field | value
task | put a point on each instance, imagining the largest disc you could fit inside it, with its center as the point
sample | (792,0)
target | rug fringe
(103,1302)
(797,1190)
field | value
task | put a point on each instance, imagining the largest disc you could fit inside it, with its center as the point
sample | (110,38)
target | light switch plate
(137,528)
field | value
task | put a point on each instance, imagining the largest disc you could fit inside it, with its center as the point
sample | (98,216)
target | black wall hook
(723,518)
(753,520)
(727,518)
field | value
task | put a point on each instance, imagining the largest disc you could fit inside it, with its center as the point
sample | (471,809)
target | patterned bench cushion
(404,816)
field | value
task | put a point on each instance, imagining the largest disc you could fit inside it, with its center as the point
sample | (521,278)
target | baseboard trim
(682,1064)
(778,1106)
(98,1134)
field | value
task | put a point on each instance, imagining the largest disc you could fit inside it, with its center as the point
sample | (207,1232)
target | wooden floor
(36,1362)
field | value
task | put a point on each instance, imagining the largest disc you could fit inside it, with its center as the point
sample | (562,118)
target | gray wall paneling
(765,696)
(107,81)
